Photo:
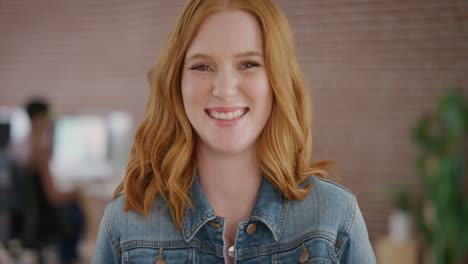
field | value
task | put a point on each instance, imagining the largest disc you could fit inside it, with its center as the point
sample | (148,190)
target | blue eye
(248,65)
(201,67)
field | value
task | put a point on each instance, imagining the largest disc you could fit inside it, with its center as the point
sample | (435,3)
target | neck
(230,181)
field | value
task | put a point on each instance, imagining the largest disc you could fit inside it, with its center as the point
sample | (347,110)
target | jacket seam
(110,236)
(194,246)
(169,244)
(205,248)
(320,260)
(284,215)
(334,183)
(288,247)
(349,227)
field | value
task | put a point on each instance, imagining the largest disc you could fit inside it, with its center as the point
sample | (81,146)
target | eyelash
(254,64)
(198,67)
(203,67)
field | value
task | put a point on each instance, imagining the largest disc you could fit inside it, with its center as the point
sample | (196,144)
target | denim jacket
(325,227)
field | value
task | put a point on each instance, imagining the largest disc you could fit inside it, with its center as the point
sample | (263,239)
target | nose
(225,85)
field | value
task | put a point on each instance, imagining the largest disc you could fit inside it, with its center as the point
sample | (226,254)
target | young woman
(220,172)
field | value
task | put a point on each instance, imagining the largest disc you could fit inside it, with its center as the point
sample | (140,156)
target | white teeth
(227,116)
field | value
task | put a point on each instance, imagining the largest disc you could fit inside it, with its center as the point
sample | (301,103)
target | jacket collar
(270,209)
(198,215)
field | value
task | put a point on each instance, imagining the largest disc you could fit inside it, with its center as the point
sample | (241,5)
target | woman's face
(225,87)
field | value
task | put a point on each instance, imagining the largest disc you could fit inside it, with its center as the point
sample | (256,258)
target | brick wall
(374,67)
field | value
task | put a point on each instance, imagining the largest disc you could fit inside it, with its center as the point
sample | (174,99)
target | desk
(389,252)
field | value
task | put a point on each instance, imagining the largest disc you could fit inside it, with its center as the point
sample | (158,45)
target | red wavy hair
(162,160)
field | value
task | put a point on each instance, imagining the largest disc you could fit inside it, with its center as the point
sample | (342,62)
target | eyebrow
(248,54)
(238,55)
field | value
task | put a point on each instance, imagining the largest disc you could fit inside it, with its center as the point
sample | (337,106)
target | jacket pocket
(148,255)
(317,250)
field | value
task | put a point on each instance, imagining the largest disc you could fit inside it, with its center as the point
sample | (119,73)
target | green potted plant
(442,139)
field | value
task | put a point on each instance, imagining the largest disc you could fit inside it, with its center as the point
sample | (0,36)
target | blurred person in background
(58,216)
(8,198)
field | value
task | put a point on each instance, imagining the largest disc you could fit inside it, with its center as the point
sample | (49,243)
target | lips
(226,113)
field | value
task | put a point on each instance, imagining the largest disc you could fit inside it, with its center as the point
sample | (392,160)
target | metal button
(160,259)
(213,224)
(304,257)
(251,228)
(231,251)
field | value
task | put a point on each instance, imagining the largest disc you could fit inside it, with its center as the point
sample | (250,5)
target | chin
(230,148)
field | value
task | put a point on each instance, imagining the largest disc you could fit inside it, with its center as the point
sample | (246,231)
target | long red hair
(162,160)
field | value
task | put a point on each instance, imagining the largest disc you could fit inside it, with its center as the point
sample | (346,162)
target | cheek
(193,90)
(258,88)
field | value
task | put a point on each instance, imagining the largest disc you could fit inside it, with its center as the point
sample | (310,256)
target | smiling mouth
(224,115)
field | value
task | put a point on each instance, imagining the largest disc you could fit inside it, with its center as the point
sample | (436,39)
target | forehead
(228,31)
